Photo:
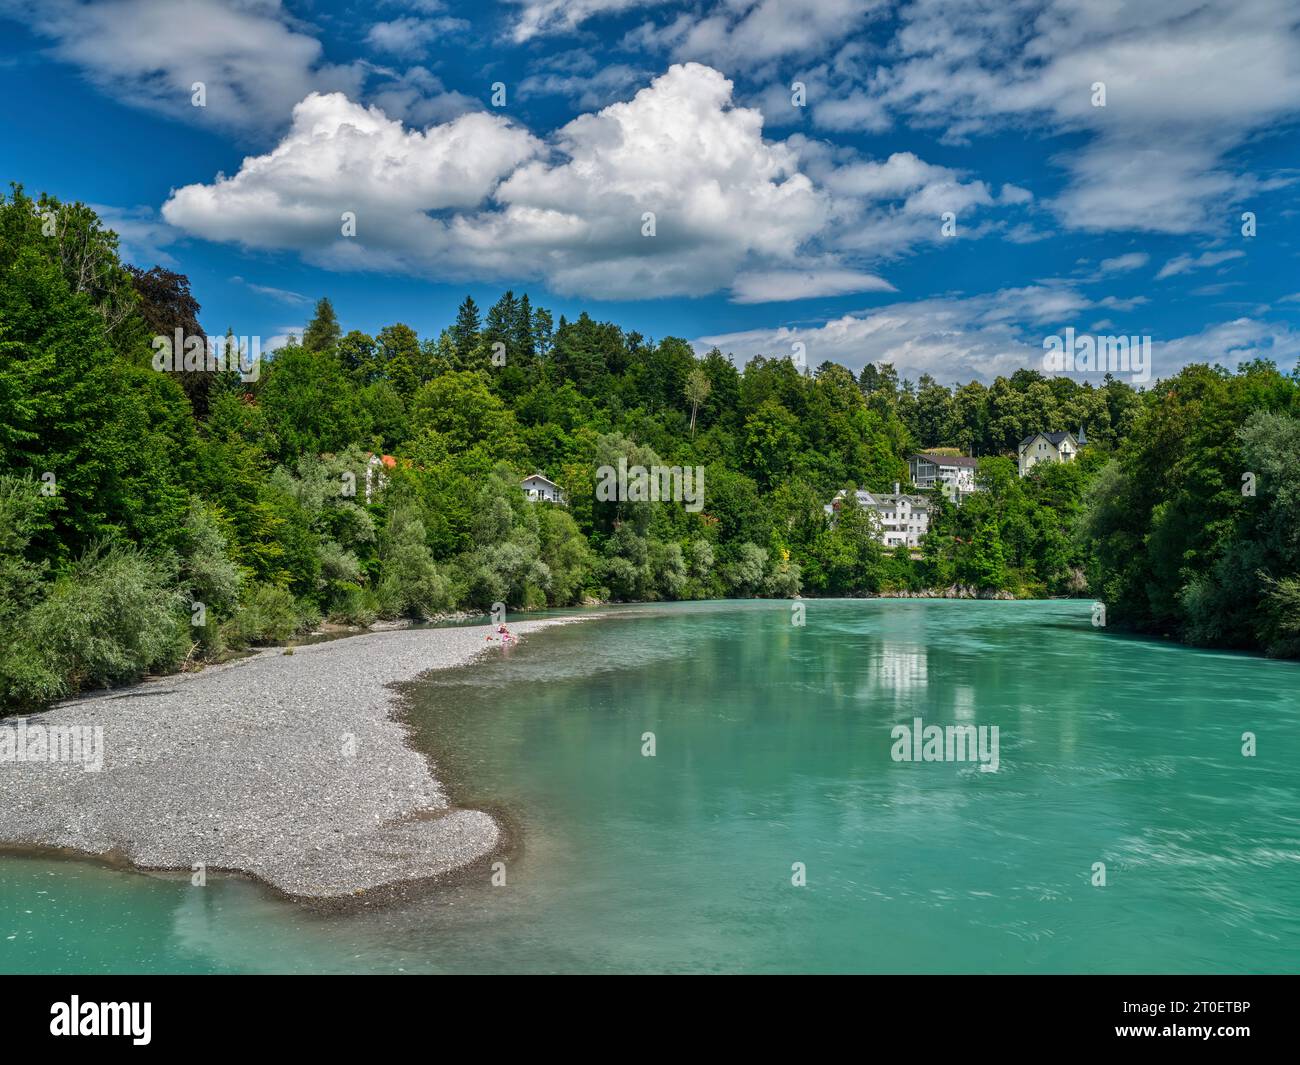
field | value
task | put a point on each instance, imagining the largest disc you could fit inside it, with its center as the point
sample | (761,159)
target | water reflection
(900,670)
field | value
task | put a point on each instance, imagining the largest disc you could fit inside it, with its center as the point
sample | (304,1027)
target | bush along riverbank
(154,519)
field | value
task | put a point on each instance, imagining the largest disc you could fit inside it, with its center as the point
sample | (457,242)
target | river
(772,830)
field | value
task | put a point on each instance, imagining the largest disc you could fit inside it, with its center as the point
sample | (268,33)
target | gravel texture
(289,768)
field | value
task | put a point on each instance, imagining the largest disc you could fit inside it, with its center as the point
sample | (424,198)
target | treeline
(1193,528)
(150,518)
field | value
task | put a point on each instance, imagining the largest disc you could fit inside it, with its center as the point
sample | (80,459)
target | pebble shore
(290,768)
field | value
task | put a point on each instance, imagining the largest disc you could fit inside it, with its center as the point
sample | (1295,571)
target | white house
(955,474)
(904,519)
(376,465)
(538,487)
(1049,447)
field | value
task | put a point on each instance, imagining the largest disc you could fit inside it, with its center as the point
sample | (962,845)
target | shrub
(1281,621)
(28,680)
(745,574)
(785,581)
(270,615)
(355,606)
(111,618)
(211,578)
(308,615)
(22,510)
(410,584)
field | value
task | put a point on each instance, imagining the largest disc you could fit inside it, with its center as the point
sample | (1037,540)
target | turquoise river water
(773,754)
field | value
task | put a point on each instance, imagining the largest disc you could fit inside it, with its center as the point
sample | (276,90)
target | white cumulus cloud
(480,196)
(339,156)
(254,63)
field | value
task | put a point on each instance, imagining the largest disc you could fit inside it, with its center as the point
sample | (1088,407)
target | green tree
(405,362)
(411,584)
(359,355)
(465,334)
(698,388)
(310,404)
(771,440)
(462,408)
(323,332)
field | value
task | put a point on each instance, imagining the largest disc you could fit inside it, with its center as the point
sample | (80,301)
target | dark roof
(1053,438)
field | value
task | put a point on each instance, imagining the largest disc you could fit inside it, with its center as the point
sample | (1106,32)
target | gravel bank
(288,768)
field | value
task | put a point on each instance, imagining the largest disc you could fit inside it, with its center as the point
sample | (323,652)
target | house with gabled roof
(538,487)
(1049,447)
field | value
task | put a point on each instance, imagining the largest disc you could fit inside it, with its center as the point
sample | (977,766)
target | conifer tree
(465,333)
(323,331)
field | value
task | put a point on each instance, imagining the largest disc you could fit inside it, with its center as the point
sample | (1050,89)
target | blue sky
(774,222)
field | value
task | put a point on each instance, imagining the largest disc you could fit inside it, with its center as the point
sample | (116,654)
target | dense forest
(150,520)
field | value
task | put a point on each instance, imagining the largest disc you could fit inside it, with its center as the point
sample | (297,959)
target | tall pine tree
(323,332)
(465,333)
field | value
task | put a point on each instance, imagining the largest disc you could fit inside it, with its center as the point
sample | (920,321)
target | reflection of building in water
(901,666)
(963,703)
